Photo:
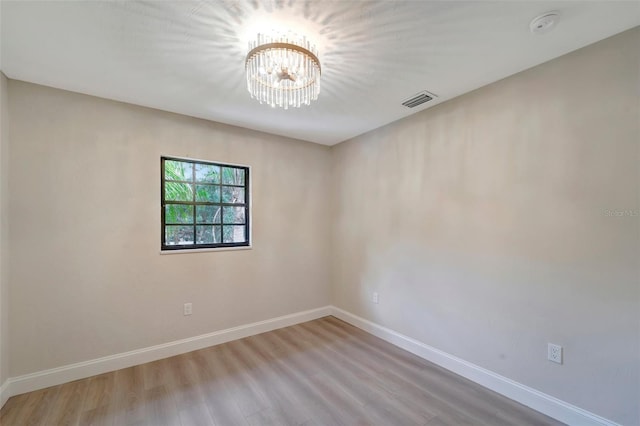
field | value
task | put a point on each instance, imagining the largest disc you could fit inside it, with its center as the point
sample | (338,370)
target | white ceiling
(188,56)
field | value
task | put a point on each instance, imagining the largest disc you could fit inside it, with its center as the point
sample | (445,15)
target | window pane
(178,213)
(178,170)
(233,214)
(174,191)
(232,176)
(208,234)
(208,193)
(232,194)
(234,234)
(208,214)
(207,173)
(178,235)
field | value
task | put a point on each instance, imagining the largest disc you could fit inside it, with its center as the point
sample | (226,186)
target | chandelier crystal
(283,70)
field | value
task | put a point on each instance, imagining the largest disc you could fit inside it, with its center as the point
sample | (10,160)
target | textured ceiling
(188,56)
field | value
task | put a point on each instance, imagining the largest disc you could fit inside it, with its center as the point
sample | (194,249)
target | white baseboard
(549,405)
(4,393)
(56,376)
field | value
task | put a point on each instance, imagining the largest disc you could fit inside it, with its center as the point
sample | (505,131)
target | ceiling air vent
(418,99)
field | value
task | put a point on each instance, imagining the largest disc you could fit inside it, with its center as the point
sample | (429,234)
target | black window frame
(204,246)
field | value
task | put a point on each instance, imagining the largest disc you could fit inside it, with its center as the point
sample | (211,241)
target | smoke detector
(544,23)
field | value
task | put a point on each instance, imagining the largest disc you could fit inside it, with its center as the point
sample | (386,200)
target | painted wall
(505,219)
(4,229)
(87,277)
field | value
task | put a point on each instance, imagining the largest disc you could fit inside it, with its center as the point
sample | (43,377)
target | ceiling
(188,56)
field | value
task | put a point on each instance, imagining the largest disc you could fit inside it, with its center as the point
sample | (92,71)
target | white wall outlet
(376,297)
(554,353)
(188,308)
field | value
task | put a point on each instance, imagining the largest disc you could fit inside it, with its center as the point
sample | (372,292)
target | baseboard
(539,401)
(56,376)
(4,393)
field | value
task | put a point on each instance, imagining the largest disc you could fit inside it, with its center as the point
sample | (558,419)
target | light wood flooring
(323,372)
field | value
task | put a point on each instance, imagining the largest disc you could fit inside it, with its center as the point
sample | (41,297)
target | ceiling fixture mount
(283,70)
(544,23)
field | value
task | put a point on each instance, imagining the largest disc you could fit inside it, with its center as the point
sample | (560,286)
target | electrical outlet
(376,298)
(188,308)
(554,353)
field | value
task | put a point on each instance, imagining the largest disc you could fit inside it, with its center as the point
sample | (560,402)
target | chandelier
(283,70)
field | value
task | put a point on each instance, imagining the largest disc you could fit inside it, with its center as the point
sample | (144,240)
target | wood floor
(323,372)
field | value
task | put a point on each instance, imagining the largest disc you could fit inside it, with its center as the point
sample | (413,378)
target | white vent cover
(418,99)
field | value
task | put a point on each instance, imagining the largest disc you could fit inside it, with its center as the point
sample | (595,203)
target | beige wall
(483,225)
(4,229)
(86,277)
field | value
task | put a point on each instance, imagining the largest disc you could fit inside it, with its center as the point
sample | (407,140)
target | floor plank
(68,404)
(323,372)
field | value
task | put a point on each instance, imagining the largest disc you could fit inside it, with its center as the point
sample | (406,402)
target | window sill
(203,250)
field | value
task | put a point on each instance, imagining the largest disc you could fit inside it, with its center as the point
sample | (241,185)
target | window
(204,205)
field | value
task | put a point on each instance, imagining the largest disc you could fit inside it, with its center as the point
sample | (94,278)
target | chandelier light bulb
(283,70)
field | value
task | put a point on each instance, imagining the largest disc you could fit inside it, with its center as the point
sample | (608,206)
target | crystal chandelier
(283,70)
